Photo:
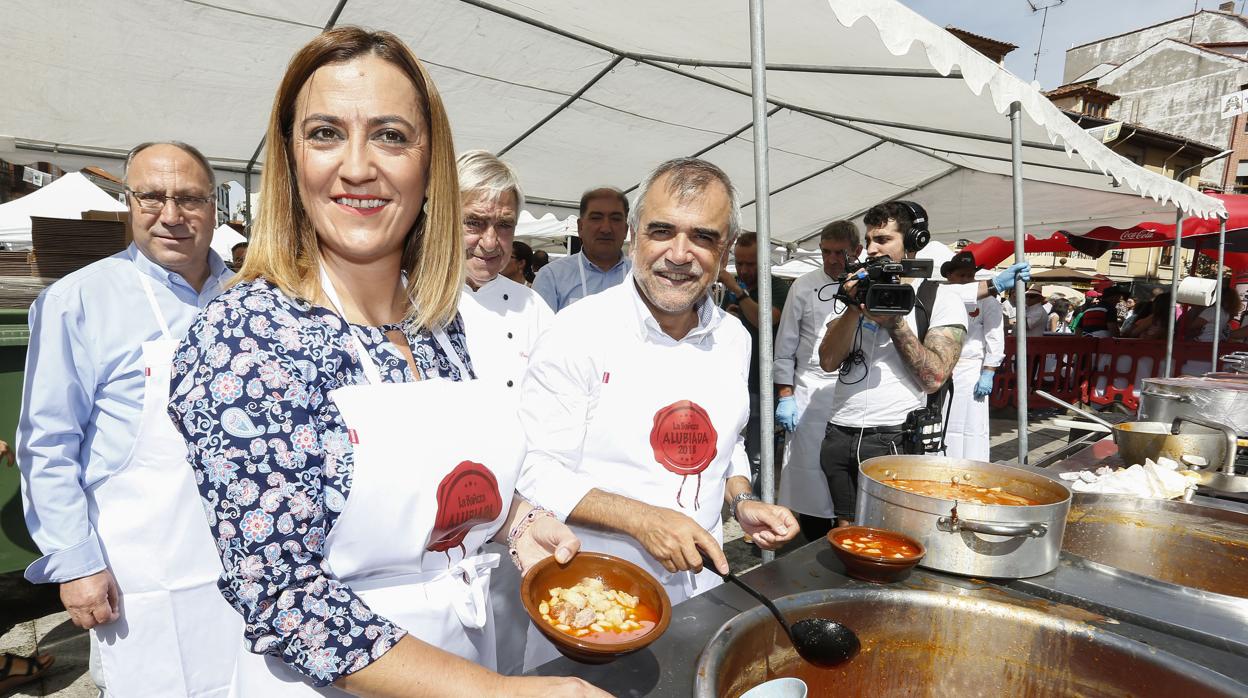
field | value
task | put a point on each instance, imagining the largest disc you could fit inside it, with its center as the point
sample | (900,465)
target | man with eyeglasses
(108,495)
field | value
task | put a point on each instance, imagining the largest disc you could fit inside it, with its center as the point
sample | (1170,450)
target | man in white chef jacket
(804,389)
(502,318)
(635,399)
(108,494)
(966,434)
(502,321)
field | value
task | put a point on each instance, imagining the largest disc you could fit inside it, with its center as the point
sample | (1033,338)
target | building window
(1167,254)
(1118,257)
(1241,176)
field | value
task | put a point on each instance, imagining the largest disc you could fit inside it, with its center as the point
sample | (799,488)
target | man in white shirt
(966,434)
(888,370)
(502,321)
(108,494)
(806,390)
(601,263)
(635,399)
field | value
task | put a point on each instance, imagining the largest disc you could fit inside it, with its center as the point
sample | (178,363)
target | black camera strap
(942,399)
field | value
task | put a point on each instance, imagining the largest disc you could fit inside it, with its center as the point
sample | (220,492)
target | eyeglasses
(154,202)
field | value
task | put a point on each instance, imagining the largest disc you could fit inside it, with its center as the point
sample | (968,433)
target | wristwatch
(743,497)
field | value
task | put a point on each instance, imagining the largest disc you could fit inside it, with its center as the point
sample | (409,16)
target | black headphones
(918,235)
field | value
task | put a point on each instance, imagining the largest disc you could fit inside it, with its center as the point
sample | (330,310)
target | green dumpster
(16,548)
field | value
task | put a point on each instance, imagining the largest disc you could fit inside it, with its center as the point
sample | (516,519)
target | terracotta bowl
(615,573)
(873,568)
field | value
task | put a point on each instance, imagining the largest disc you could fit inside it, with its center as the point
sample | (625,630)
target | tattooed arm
(930,362)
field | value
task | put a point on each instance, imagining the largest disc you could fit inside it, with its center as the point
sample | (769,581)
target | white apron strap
(580,266)
(151,300)
(371,371)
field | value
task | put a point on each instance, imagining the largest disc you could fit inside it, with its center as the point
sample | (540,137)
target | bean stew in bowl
(597,607)
(875,554)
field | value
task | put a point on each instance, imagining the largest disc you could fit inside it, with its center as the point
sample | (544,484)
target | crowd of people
(297,473)
(1115,313)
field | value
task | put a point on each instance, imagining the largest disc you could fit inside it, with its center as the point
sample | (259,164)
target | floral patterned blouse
(273,464)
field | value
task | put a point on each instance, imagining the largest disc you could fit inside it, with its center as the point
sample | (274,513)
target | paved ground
(35,621)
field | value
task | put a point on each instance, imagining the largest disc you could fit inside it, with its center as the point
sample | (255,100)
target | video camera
(881,290)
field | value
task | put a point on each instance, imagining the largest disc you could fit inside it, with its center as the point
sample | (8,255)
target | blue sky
(1074,22)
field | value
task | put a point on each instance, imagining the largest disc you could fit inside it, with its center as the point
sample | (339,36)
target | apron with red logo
(435,468)
(663,430)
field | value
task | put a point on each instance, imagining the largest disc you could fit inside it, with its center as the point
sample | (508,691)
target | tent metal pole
(247,202)
(1217,294)
(1176,264)
(1021,394)
(892,197)
(648,58)
(762,218)
(566,103)
(716,144)
(822,170)
(858,119)
(802,67)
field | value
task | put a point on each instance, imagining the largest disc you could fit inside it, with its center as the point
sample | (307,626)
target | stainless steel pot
(981,540)
(935,645)
(1143,440)
(1140,441)
(1223,401)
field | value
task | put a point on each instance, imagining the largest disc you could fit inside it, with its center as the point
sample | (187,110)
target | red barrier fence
(1097,371)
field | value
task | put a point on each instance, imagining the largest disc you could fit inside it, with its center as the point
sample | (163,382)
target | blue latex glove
(984,387)
(1005,280)
(786,413)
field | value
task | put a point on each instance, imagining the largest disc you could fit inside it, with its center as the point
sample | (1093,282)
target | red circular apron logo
(467,496)
(684,442)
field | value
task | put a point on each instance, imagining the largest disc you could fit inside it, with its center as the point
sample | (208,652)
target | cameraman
(886,371)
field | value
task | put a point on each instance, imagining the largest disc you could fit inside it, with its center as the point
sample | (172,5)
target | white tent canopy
(65,197)
(224,238)
(869,100)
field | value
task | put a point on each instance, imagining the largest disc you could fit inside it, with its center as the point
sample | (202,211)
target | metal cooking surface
(921,643)
(1185,544)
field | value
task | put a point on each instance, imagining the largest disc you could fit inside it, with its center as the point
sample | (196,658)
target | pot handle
(1232,439)
(952,524)
(1165,396)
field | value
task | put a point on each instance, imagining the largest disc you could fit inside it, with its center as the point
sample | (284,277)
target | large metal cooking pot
(926,643)
(1137,442)
(1224,401)
(1200,547)
(983,540)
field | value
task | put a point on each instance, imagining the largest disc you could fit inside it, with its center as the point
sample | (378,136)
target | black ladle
(820,641)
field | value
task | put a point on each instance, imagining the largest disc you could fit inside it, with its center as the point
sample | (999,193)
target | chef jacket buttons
(508,335)
(509,384)
(505,296)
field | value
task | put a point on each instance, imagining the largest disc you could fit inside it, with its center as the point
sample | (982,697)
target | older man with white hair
(502,321)
(635,399)
(502,318)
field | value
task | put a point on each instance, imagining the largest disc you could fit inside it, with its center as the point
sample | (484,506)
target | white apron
(663,430)
(435,470)
(176,635)
(967,433)
(803,486)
